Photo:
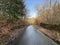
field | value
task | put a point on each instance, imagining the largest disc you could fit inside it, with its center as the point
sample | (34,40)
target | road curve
(32,36)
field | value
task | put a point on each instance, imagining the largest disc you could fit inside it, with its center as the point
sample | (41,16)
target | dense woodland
(50,13)
(49,17)
(12,20)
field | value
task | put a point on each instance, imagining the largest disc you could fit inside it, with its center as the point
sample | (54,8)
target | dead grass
(51,33)
(9,30)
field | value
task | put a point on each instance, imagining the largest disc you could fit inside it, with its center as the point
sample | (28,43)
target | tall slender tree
(50,4)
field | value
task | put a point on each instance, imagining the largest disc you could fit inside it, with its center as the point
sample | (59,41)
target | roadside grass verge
(52,30)
(51,27)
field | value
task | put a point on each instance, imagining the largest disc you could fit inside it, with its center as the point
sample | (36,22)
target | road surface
(32,36)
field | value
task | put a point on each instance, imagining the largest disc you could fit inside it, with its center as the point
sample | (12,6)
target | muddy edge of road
(52,39)
(48,35)
(16,41)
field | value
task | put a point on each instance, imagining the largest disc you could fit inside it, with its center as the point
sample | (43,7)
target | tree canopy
(12,8)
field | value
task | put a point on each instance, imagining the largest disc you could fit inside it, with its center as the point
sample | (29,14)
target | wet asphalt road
(32,36)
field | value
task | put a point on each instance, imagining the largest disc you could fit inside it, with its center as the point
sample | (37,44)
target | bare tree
(51,14)
(50,4)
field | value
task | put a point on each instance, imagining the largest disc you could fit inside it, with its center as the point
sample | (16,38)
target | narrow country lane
(34,37)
